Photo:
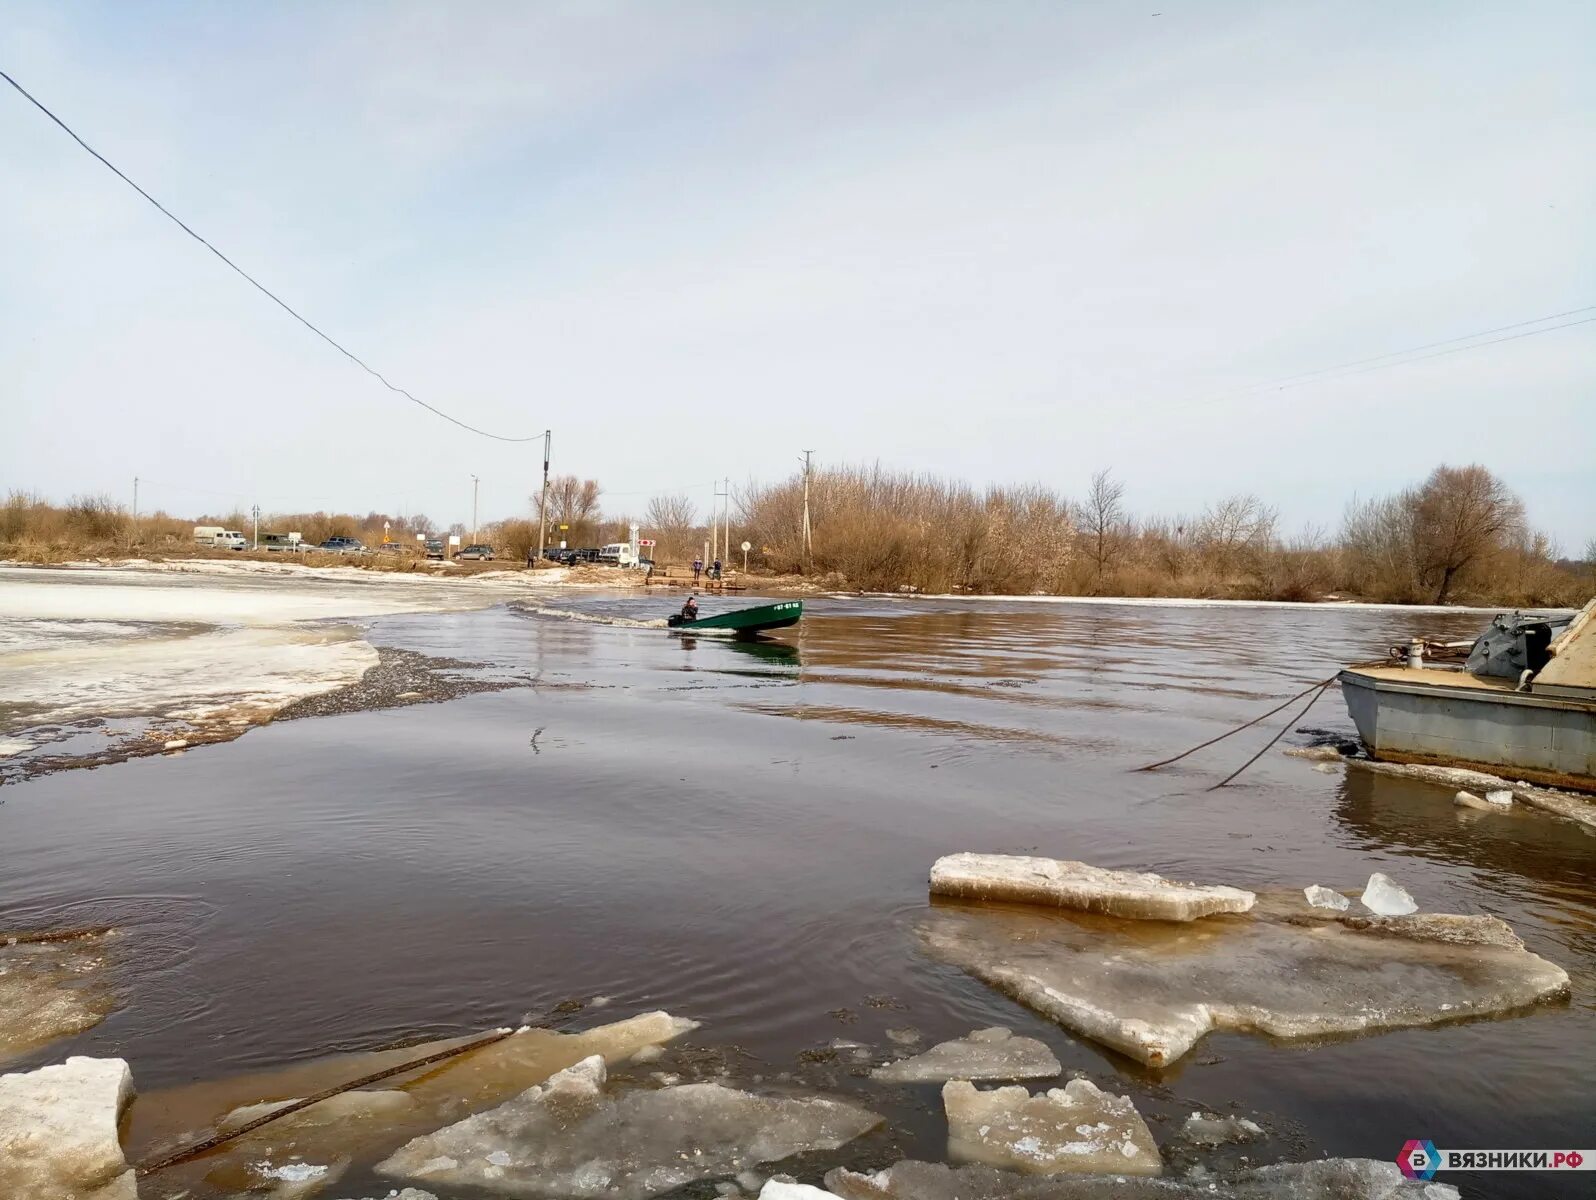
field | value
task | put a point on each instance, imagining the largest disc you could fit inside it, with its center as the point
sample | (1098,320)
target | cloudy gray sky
(1002,241)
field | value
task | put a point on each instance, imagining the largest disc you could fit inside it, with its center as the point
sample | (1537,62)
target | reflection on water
(740,833)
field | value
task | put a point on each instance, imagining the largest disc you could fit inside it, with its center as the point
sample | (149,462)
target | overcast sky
(1000,241)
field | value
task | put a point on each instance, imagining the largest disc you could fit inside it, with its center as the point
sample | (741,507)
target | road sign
(454,539)
(747,546)
(645,541)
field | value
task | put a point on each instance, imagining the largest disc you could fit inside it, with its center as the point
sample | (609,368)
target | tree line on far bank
(1459,535)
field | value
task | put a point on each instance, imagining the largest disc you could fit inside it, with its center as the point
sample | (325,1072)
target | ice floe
(1151,990)
(983,1054)
(1326,1179)
(1323,897)
(363,1125)
(1077,885)
(1073,1129)
(1386,897)
(58,1132)
(1207,1129)
(570,1138)
(50,988)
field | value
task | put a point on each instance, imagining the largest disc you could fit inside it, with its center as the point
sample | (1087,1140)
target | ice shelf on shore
(1579,809)
(58,1132)
(1289,970)
(1326,1179)
(362,1126)
(984,1054)
(1386,897)
(1076,1128)
(570,1138)
(50,989)
(1077,885)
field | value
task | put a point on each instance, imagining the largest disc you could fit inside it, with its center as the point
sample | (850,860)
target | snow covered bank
(193,654)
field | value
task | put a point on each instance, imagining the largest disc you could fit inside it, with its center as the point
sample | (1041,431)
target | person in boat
(690,609)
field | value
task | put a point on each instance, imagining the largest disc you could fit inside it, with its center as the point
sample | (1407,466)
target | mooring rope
(1323,687)
(219,1139)
(1317,687)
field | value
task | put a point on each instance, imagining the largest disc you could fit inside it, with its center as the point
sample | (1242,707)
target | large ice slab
(1151,990)
(58,1132)
(1073,1129)
(50,989)
(569,1138)
(983,1054)
(1327,1179)
(362,1126)
(1077,885)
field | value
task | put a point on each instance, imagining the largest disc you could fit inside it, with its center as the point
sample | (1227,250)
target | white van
(221,539)
(617,554)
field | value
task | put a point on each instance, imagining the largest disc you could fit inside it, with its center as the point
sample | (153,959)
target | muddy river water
(741,835)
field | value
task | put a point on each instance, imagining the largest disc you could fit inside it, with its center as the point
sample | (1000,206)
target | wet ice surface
(1028,879)
(1075,1129)
(1152,991)
(58,1132)
(984,1054)
(51,989)
(742,835)
(569,1138)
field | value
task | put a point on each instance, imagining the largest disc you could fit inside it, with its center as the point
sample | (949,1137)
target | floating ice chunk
(50,990)
(1467,799)
(1151,992)
(58,1131)
(1206,1129)
(568,1138)
(1328,1179)
(405,1194)
(1077,885)
(338,1110)
(1040,1135)
(775,1189)
(1323,897)
(1388,898)
(1501,797)
(649,1054)
(292,1172)
(905,1037)
(983,1054)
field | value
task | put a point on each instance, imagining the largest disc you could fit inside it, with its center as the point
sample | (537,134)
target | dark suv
(478,552)
(344,545)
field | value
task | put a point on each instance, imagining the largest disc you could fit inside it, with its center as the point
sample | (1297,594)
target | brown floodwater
(740,834)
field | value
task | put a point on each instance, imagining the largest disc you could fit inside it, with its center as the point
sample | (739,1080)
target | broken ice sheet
(983,1054)
(1151,990)
(58,1132)
(1076,1128)
(362,1125)
(51,988)
(1021,879)
(1326,1179)
(569,1138)
(1323,897)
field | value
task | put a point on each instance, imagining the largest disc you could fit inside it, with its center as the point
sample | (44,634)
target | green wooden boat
(746,622)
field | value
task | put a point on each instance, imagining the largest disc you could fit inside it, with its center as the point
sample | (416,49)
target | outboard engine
(1512,644)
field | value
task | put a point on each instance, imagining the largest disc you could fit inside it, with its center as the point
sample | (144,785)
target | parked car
(344,545)
(221,539)
(434,548)
(283,543)
(391,548)
(478,552)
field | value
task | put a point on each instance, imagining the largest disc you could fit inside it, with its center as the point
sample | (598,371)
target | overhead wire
(260,287)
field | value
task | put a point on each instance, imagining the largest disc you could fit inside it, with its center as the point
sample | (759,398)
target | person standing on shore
(698,568)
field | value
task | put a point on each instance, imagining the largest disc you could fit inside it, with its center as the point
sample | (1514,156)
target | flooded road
(740,834)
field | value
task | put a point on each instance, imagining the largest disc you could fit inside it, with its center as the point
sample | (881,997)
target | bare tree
(1461,515)
(672,513)
(1231,532)
(1102,524)
(574,503)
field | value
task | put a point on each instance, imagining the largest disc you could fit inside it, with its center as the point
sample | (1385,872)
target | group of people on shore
(698,569)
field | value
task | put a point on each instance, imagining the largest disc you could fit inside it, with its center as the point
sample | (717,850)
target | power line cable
(1468,337)
(262,288)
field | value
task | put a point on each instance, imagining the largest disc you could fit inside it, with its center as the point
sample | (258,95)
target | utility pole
(725,540)
(133,539)
(475,483)
(714,529)
(809,542)
(543,504)
(254,512)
